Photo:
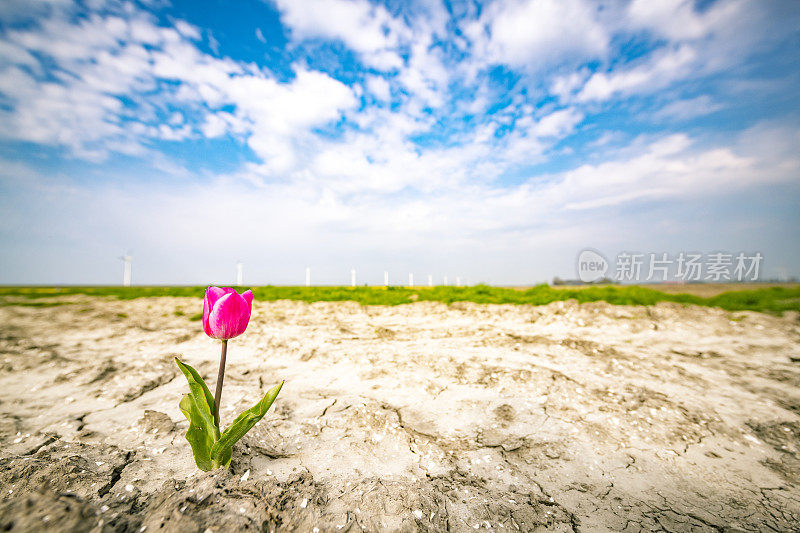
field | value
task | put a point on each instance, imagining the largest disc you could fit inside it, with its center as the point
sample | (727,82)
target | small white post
(353,277)
(458,281)
(386,278)
(126,272)
(430,280)
(445,280)
(410,279)
(239,281)
(308,276)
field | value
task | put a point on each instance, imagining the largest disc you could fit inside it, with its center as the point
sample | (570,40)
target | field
(407,409)
(732,297)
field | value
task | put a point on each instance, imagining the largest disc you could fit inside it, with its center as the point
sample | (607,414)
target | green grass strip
(773,300)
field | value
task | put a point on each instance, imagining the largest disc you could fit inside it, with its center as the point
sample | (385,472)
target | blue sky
(486,140)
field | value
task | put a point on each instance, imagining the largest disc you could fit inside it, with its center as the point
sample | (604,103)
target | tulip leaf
(225,457)
(211,449)
(203,433)
(222,449)
(193,375)
(199,439)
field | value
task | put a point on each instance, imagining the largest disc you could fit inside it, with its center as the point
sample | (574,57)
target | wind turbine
(126,272)
(239,281)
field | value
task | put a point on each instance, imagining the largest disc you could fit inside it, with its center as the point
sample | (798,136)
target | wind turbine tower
(126,272)
(239,267)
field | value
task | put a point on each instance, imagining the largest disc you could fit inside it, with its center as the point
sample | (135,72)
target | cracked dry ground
(424,417)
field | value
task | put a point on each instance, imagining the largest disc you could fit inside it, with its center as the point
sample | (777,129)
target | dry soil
(423,417)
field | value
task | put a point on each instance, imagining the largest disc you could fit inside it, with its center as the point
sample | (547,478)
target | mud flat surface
(423,417)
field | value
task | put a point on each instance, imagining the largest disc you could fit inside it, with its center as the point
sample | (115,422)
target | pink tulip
(226,313)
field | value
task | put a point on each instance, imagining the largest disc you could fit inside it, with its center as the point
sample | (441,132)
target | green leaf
(225,457)
(223,448)
(198,437)
(195,375)
(203,433)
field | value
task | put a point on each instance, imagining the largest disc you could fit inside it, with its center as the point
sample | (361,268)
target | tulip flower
(226,314)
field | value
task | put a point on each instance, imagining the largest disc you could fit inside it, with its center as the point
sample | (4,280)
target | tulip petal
(212,295)
(248,297)
(229,316)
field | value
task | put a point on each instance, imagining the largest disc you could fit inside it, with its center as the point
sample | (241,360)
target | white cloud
(558,123)
(673,19)
(536,33)
(724,22)
(670,167)
(364,27)
(540,220)
(688,42)
(379,39)
(425,78)
(655,72)
(97,59)
(103,58)
(283,113)
(380,88)
(122,81)
(565,85)
(134,55)
(189,31)
(688,109)
(697,42)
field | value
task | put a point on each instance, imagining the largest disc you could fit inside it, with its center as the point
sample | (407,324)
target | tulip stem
(220,378)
